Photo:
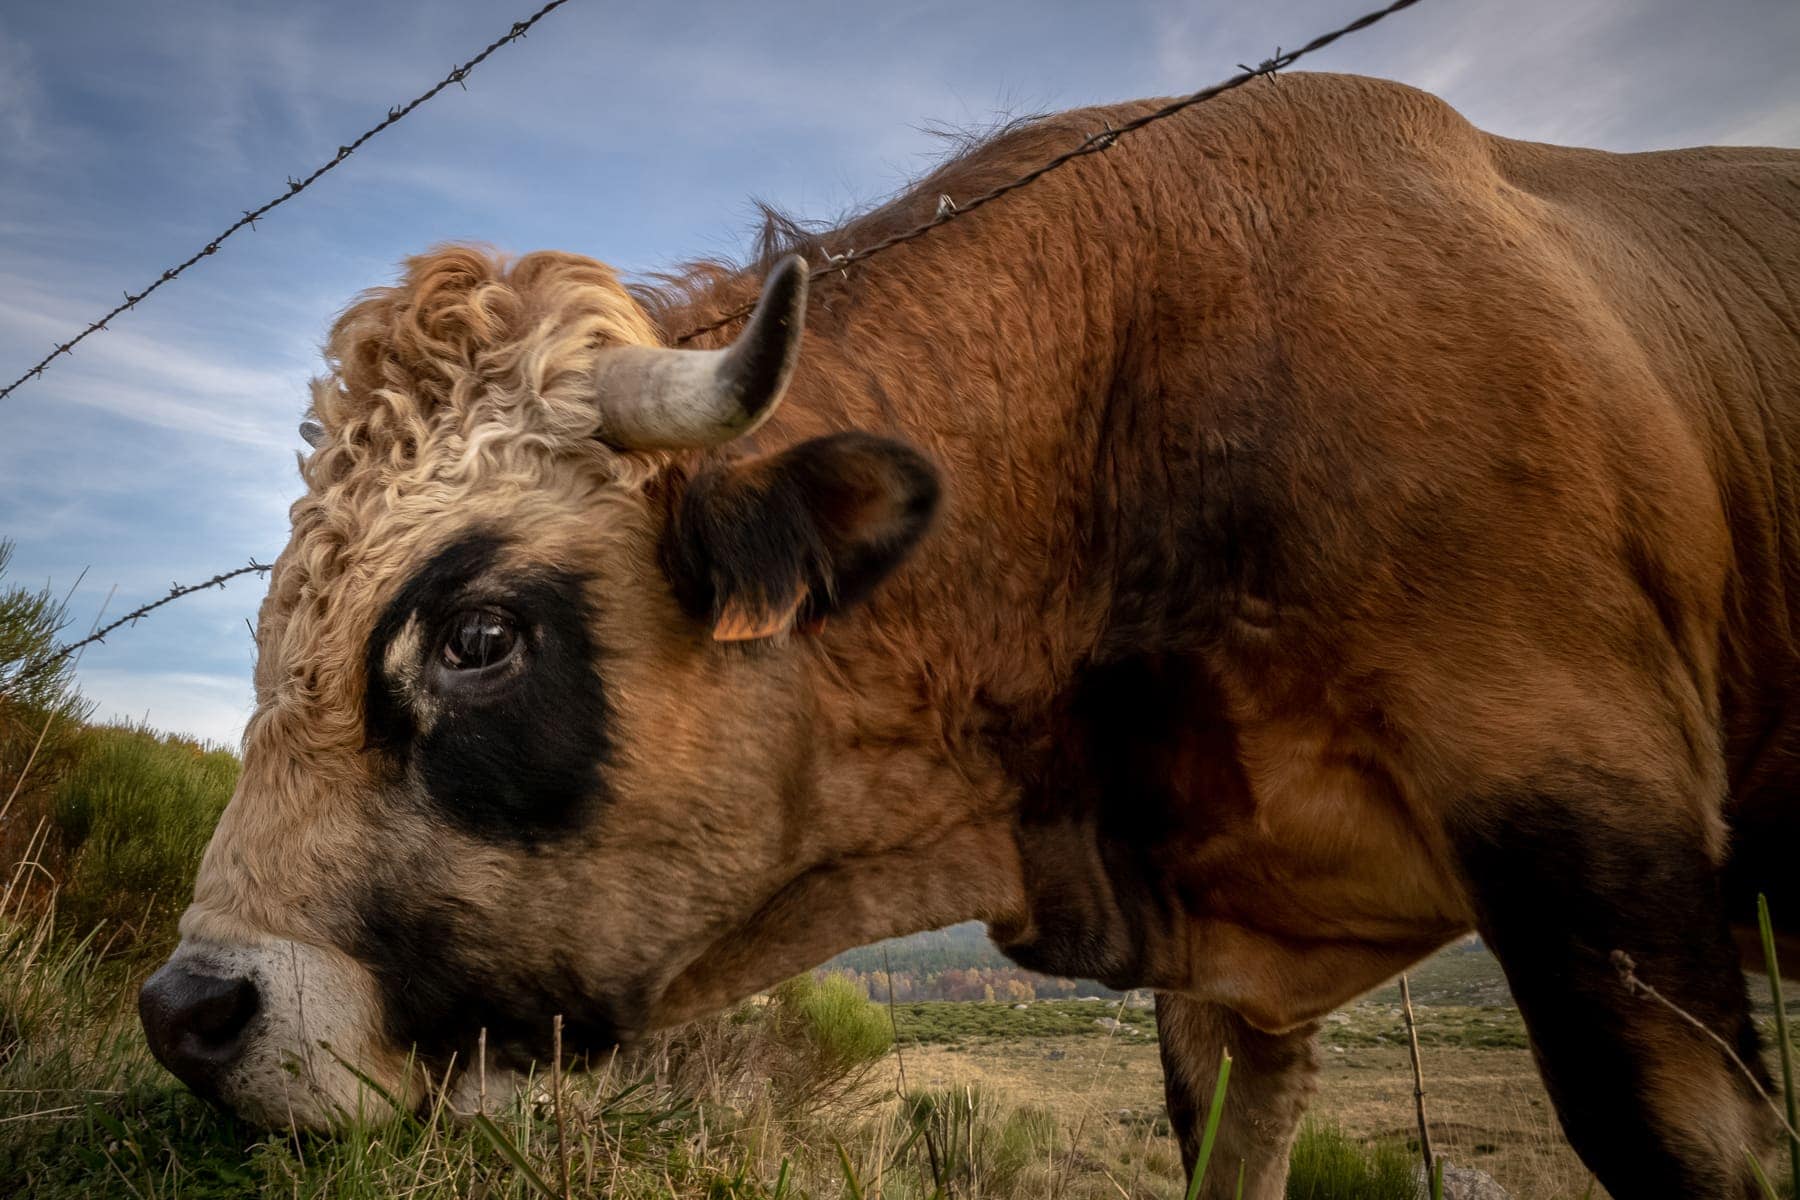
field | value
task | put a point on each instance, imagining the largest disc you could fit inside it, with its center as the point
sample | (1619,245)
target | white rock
(1460,1183)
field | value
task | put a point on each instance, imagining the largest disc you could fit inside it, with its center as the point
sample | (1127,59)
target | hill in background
(961,963)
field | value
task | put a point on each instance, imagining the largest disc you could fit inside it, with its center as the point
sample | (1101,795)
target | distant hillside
(1462,974)
(964,945)
(960,963)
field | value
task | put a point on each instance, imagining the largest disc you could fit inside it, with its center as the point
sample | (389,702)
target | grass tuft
(1326,1165)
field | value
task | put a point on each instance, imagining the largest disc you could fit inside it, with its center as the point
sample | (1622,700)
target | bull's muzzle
(195,1022)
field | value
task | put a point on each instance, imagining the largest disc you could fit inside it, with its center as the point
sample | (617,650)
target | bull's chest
(1254,864)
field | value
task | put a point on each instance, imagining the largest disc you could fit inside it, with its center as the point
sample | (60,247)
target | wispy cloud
(19,101)
(157,381)
(211,707)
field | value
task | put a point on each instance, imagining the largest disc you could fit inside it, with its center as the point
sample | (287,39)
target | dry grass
(1488,1109)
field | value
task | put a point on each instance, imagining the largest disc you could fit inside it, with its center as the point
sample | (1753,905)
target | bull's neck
(998,385)
(929,691)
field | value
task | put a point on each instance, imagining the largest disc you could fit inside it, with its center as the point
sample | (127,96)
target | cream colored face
(561,793)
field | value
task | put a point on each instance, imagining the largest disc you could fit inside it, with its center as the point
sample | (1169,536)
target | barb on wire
(176,592)
(294,188)
(1094,143)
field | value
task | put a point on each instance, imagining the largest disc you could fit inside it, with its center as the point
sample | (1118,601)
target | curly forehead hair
(470,344)
(468,384)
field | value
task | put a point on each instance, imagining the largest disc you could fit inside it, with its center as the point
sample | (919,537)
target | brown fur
(1337,501)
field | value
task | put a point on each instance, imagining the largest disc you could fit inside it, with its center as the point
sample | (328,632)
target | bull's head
(538,727)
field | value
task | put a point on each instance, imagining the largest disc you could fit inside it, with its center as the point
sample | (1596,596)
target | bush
(40,713)
(843,1028)
(1326,1165)
(133,816)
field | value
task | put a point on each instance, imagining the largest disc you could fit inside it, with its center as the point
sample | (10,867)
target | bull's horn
(652,398)
(311,432)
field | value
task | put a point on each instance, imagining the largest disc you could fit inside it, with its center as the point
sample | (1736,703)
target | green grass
(958,1023)
(85,1113)
(1328,1166)
(1449,1026)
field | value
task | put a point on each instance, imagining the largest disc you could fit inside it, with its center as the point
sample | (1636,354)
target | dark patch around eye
(518,763)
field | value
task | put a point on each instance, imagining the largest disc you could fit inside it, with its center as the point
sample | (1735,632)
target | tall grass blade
(1762,1179)
(850,1180)
(1213,1116)
(512,1154)
(404,1112)
(1781,1036)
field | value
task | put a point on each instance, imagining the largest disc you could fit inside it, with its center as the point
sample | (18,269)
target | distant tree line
(958,963)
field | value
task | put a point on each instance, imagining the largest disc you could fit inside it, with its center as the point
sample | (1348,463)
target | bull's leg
(1272,1078)
(1564,876)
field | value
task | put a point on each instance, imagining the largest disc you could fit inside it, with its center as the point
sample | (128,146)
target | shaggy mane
(976,160)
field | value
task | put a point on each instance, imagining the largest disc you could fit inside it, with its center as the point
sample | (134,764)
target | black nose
(195,1023)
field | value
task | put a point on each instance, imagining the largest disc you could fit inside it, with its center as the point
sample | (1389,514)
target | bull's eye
(479,638)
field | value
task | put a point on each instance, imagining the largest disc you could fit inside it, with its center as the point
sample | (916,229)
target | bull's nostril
(218,1017)
(195,1023)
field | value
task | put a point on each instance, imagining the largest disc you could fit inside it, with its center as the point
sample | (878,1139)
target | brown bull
(1236,565)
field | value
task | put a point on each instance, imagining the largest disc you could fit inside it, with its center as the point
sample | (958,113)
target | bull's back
(1691,261)
(1511,421)
(1700,250)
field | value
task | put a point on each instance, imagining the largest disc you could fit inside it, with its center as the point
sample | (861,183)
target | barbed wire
(294,187)
(176,591)
(949,210)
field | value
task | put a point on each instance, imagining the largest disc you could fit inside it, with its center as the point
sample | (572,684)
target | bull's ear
(764,545)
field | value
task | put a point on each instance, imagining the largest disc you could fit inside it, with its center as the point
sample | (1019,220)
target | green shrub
(845,1030)
(134,815)
(1326,1165)
(40,715)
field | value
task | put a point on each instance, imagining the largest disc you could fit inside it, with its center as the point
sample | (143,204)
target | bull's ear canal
(765,545)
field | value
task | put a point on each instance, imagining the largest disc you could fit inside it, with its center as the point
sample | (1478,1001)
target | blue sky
(163,450)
